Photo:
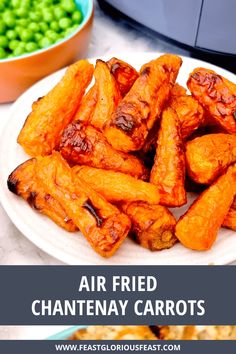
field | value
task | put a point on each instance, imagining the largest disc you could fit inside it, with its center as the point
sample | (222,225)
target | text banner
(97,295)
(117,347)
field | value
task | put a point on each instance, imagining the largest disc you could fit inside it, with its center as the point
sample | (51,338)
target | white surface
(30,332)
(73,248)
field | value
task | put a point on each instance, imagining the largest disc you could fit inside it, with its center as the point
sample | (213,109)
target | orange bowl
(18,73)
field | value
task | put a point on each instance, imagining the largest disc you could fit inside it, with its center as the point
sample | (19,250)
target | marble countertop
(109,36)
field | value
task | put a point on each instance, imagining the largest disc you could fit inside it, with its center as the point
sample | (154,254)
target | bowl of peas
(38,38)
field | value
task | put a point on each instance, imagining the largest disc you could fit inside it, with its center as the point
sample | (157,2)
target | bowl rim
(57,44)
(66,333)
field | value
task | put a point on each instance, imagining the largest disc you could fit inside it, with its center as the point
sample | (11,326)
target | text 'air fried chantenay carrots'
(83,144)
(153,226)
(50,115)
(168,171)
(217,95)
(103,225)
(116,186)
(141,107)
(208,156)
(197,228)
(23,182)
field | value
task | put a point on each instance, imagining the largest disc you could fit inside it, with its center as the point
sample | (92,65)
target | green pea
(3,53)
(3,42)
(19,51)
(68,32)
(68,5)
(38,37)
(52,35)
(9,19)
(34,27)
(55,26)
(43,26)
(25,3)
(2,7)
(26,35)
(3,3)
(14,44)
(77,17)
(38,6)
(18,29)
(22,12)
(45,42)
(6,12)
(31,47)
(11,34)
(74,28)
(10,56)
(48,17)
(27,25)
(46,3)
(15,3)
(22,22)
(35,16)
(64,23)
(2,27)
(59,13)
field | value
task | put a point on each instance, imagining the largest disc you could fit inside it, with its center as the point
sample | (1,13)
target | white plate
(73,248)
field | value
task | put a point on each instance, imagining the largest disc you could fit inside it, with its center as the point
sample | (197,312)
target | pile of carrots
(110,159)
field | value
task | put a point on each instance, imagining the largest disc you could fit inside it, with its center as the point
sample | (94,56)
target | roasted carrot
(177,91)
(117,186)
(101,100)
(81,144)
(178,332)
(103,225)
(150,144)
(87,105)
(230,219)
(141,107)
(189,111)
(22,181)
(42,129)
(208,156)
(124,74)
(197,228)
(153,226)
(217,95)
(108,95)
(168,171)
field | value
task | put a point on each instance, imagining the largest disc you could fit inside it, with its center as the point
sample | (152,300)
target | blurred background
(201,29)
(38,38)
